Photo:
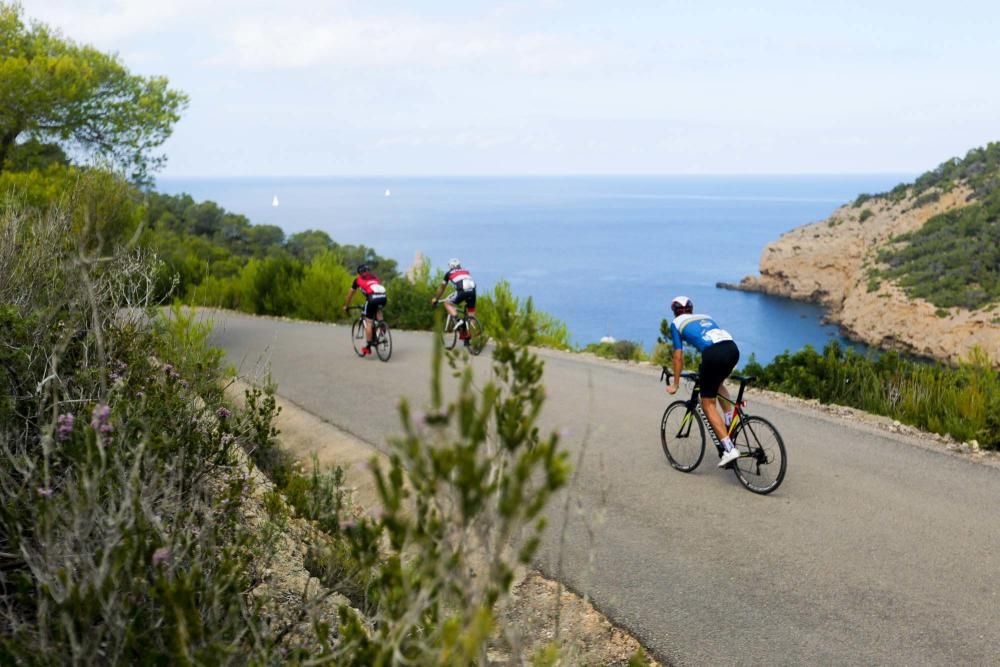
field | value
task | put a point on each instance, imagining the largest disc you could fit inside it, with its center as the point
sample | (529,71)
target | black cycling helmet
(681,304)
(362,268)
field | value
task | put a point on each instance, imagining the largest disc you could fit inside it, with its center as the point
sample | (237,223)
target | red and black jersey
(368,283)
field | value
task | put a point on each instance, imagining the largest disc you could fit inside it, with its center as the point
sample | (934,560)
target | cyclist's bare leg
(724,405)
(450,307)
(708,405)
(368,331)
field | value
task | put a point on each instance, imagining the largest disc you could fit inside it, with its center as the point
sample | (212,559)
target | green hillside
(953,261)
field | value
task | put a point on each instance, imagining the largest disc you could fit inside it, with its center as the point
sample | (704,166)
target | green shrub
(624,350)
(545,330)
(953,260)
(865,214)
(477,474)
(934,397)
(324,285)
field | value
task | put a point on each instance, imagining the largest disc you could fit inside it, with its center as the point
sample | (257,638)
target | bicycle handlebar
(668,373)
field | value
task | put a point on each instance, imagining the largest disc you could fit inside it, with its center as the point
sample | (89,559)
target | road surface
(873,551)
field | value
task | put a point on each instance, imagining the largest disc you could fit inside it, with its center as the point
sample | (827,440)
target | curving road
(875,550)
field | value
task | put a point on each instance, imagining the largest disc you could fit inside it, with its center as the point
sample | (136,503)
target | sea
(605,254)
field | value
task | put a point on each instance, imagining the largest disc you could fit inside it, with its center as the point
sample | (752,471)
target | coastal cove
(604,254)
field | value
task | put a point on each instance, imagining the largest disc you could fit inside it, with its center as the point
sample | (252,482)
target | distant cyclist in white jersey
(465,289)
(719,356)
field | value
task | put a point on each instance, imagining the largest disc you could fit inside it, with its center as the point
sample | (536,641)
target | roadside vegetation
(963,402)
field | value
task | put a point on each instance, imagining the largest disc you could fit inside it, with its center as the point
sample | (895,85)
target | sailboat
(387,193)
(274,202)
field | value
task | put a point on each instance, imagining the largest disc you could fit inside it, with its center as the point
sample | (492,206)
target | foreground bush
(963,402)
(121,533)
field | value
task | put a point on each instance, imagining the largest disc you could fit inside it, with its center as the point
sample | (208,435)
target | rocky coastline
(830,262)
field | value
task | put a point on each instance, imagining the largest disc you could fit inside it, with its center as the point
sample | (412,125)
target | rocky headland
(834,263)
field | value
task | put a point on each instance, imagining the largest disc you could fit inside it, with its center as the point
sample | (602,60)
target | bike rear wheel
(358,339)
(683,436)
(477,339)
(383,341)
(762,462)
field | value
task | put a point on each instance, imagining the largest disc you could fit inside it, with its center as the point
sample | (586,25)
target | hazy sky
(321,87)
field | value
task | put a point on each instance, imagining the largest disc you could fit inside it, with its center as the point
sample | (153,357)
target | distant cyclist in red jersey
(375,300)
(465,291)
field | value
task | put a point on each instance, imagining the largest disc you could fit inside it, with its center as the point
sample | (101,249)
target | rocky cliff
(829,263)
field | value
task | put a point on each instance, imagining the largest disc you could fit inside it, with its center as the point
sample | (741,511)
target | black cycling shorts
(373,305)
(468,297)
(717,362)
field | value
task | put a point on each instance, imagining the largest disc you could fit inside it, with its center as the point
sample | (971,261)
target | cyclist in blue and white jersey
(719,356)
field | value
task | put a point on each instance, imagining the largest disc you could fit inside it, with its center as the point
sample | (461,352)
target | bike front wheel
(477,338)
(449,335)
(358,336)
(762,462)
(683,436)
(383,344)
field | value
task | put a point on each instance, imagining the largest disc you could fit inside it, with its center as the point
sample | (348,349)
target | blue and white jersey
(701,331)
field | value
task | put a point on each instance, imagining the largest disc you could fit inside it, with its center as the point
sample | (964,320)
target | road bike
(380,331)
(762,462)
(465,327)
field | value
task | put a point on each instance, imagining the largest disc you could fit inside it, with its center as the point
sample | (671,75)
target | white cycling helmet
(681,304)
(453,263)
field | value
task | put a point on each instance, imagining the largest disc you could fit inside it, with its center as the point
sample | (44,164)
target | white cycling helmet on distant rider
(453,263)
(681,304)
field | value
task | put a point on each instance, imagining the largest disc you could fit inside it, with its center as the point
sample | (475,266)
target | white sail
(274,202)
(387,193)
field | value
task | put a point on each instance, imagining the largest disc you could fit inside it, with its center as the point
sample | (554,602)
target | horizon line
(538,175)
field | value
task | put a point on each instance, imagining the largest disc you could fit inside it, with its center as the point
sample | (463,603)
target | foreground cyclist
(375,300)
(719,356)
(465,292)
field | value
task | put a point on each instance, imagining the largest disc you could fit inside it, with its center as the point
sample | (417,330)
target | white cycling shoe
(729,457)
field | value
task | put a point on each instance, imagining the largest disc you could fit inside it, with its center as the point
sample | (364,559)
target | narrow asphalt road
(873,551)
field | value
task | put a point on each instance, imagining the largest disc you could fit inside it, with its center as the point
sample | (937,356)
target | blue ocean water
(604,254)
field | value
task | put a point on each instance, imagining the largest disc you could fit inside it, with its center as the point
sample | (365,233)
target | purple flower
(64,426)
(223,413)
(100,420)
(161,556)
(44,493)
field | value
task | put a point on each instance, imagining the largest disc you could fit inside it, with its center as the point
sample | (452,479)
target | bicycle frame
(694,405)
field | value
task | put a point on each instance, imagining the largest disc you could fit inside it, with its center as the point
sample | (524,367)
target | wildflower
(44,492)
(100,420)
(64,426)
(161,556)
(223,413)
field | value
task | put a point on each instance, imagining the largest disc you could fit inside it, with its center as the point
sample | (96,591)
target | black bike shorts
(373,305)
(468,297)
(717,362)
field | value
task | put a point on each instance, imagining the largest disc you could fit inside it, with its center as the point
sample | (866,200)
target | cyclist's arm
(440,291)
(350,295)
(678,367)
